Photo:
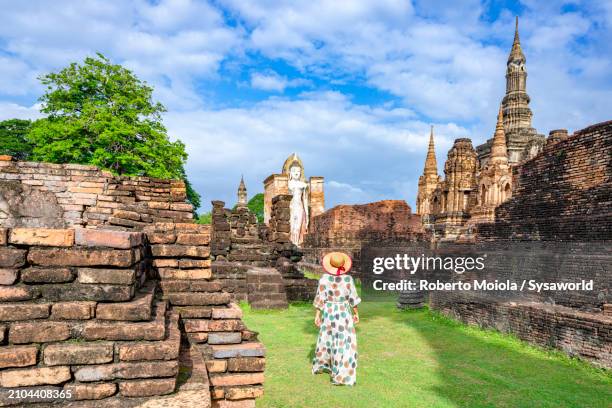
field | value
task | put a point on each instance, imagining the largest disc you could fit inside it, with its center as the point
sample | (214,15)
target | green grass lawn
(421,359)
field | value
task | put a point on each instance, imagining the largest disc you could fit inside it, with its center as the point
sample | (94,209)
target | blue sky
(351,86)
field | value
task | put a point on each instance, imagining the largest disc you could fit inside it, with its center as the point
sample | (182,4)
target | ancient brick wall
(239,244)
(556,228)
(99,313)
(78,314)
(34,194)
(211,320)
(542,262)
(349,227)
(579,334)
(564,193)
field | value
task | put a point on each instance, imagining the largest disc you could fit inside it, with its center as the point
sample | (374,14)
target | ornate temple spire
(431,165)
(499,152)
(516,53)
(242,192)
(517,114)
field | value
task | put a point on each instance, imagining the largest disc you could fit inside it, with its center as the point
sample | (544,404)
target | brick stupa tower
(522,140)
(495,179)
(242,193)
(457,194)
(427,183)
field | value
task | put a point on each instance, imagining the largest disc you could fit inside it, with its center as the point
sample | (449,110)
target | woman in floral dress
(336,302)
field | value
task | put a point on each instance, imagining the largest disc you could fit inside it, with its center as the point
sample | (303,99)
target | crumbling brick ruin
(349,227)
(555,228)
(105,282)
(256,262)
(477,180)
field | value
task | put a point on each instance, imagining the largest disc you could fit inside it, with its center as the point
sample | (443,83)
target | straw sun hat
(337,263)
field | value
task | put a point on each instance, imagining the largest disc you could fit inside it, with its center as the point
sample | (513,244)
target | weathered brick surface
(216,366)
(193,311)
(40,332)
(44,275)
(232,311)
(243,403)
(23,311)
(74,353)
(188,274)
(111,276)
(94,292)
(126,371)
(240,393)
(42,237)
(185,285)
(146,388)
(18,356)
(86,391)
(82,257)
(194,263)
(65,195)
(34,376)
(247,364)
(12,257)
(224,337)
(199,299)
(154,330)
(138,309)
(111,239)
(73,310)
(193,239)
(8,276)
(158,350)
(16,293)
(236,379)
(175,251)
(238,350)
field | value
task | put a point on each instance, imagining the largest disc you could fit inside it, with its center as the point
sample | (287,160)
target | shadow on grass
(484,368)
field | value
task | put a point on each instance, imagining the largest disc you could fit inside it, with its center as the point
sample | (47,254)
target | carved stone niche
(23,206)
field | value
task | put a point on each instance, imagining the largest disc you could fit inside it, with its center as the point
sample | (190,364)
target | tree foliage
(100,113)
(256,205)
(13,138)
(204,218)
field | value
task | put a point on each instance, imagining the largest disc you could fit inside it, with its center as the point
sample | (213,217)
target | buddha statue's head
(295,172)
(293,168)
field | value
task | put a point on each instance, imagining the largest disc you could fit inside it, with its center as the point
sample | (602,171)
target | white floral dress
(336,350)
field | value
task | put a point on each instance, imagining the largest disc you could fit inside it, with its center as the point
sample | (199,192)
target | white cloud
(445,62)
(169,43)
(271,81)
(10,110)
(364,147)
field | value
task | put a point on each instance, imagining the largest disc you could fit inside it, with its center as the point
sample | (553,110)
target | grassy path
(420,359)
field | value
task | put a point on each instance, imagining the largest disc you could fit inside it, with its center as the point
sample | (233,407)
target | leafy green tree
(100,113)
(256,205)
(204,218)
(192,195)
(13,138)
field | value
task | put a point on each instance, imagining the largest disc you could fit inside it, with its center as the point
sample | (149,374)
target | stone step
(245,349)
(137,310)
(269,304)
(109,330)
